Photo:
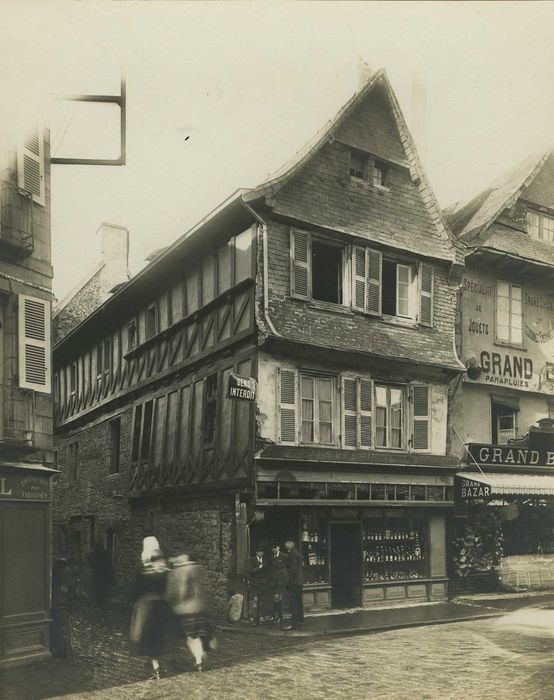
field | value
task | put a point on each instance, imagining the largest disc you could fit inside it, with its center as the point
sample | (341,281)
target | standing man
(295,571)
(257,577)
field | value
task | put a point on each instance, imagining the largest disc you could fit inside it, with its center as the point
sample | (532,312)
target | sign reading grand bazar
(506,455)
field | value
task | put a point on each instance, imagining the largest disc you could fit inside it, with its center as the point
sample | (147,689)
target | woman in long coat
(185,595)
(149,612)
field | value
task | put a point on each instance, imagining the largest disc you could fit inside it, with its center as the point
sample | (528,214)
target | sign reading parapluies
(242,388)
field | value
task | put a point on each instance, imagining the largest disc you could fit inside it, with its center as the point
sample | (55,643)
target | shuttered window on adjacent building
(30,165)
(34,344)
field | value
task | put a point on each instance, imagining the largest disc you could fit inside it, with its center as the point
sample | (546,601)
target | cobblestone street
(467,660)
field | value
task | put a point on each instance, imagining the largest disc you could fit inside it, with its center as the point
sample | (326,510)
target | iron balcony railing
(16,220)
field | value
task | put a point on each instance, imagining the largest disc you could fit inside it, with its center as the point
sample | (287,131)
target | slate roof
(468,219)
(351,332)
(516,243)
(447,244)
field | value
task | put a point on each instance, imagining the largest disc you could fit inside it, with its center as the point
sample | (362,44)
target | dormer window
(358,165)
(381,174)
(540,226)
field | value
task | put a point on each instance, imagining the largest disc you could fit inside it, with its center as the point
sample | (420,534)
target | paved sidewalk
(389,618)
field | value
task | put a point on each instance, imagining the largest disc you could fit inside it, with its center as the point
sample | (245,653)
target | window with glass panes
(540,226)
(389,416)
(317,394)
(509,312)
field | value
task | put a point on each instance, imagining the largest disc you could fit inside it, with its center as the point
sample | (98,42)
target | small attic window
(540,226)
(358,165)
(381,174)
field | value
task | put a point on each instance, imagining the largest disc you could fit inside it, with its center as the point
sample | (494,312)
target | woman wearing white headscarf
(149,612)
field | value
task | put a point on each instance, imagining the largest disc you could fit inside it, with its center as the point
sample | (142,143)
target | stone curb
(350,631)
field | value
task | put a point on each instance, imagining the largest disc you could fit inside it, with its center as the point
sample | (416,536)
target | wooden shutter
(420,417)
(357,400)
(366,405)
(300,263)
(349,412)
(426,284)
(30,165)
(374,266)
(359,278)
(288,432)
(34,343)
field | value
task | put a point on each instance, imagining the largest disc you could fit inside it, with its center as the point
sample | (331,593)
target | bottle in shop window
(304,532)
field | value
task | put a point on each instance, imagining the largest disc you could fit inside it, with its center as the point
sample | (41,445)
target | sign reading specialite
(468,489)
(242,388)
(510,456)
(32,487)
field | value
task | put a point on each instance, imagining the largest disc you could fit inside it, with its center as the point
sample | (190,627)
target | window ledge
(396,321)
(383,188)
(330,306)
(513,346)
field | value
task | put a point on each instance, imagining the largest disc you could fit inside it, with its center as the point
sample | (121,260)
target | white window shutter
(426,285)
(374,265)
(366,405)
(288,431)
(30,165)
(359,278)
(350,428)
(421,408)
(300,263)
(34,343)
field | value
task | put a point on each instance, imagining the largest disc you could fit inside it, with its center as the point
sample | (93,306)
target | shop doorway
(346,565)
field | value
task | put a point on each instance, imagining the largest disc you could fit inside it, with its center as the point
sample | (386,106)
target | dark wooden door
(346,565)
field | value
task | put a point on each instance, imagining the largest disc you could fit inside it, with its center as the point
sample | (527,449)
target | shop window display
(314,550)
(393,551)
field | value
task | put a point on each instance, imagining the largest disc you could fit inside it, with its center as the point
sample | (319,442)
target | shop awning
(471,485)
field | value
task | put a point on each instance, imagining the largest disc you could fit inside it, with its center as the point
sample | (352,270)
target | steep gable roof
(472,218)
(413,162)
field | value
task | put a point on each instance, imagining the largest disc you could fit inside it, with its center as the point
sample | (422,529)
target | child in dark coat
(278,580)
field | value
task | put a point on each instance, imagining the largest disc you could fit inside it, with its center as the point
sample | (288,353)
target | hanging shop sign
(510,456)
(241,388)
(469,490)
(35,487)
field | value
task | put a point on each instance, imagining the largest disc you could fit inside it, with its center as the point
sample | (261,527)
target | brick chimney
(112,269)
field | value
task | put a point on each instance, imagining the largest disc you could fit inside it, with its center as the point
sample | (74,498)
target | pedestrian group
(273,578)
(169,598)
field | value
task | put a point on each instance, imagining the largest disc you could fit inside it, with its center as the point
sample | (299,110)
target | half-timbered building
(281,371)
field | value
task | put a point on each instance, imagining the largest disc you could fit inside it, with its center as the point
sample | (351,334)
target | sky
(222,94)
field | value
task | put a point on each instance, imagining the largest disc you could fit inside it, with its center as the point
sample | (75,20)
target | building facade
(281,371)
(26,405)
(506,339)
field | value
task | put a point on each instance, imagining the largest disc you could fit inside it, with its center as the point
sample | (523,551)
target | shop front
(505,512)
(25,533)
(365,539)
